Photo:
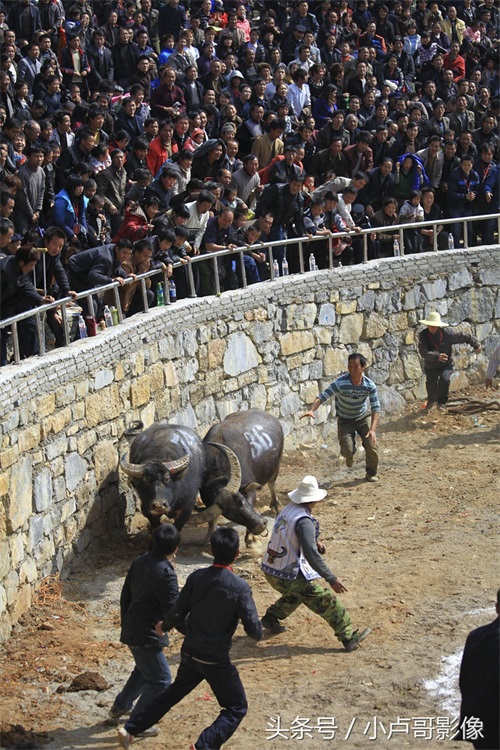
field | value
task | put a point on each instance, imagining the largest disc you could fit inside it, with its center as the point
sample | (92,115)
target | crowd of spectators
(136,134)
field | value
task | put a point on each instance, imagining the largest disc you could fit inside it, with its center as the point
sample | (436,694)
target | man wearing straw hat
(435,347)
(293,562)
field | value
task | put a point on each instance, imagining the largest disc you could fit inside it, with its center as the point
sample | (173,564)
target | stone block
(35,533)
(55,448)
(334,362)
(375,326)
(156,377)
(308,392)
(42,490)
(11,586)
(205,411)
(434,289)
(489,276)
(19,502)
(296,341)
(81,389)
(17,549)
(216,351)
(326,315)
(323,335)
(391,402)
(3,601)
(482,304)
(351,328)
(171,378)
(411,299)
(226,407)
(9,456)
(78,411)
(240,355)
(262,332)
(103,406)
(76,468)
(346,307)
(4,483)
(136,362)
(290,404)
(105,463)
(86,440)
(102,378)
(140,391)
(57,421)
(459,280)
(366,302)
(45,405)
(4,558)
(27,571)
(257,396)
(147,415)
(412,365)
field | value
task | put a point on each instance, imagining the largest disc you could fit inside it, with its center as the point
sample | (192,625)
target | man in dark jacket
(74,155)
(150,591)
(286,204)
(50,268)
(100,59)
(479,685)
(98,266)
(207,611)
(435,347)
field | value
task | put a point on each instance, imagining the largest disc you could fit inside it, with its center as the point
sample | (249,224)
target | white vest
(284,558)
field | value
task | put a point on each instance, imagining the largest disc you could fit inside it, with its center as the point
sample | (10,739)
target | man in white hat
(293,563)
(435,347)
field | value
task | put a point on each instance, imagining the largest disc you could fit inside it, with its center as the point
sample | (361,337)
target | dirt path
(418,553)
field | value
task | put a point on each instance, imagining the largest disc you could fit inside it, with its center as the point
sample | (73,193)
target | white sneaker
(371,478)
(151,732)
(124,738)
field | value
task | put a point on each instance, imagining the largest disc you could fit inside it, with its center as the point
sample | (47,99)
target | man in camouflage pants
(293,562)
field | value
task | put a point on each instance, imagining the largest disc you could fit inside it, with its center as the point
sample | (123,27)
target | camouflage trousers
(320,600)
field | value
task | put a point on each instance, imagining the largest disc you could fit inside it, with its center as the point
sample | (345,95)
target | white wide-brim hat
(307,492)
(434,319)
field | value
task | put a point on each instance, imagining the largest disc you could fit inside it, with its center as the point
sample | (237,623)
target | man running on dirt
(351,392)
(435,347)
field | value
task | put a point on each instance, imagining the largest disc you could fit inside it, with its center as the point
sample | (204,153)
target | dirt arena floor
(418,552)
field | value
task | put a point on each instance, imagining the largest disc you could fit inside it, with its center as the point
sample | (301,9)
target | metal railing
(39,312)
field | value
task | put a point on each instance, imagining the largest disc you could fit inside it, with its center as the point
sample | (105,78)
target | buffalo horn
(133,470)
(178,465)
(234,482)
(205,516)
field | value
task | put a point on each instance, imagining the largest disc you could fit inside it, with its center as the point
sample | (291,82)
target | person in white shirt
(199,214)
(299,94)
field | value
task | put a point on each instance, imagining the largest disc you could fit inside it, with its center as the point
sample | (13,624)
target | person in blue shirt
(351,392)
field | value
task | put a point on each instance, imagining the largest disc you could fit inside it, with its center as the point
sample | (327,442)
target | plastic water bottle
(396,248)
(451,242)
(172,291)
(108,318)
(284,267)
(312,263)
(82,327)
(276,269)
(160,295)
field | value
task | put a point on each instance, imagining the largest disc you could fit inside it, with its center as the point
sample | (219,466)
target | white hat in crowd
(307,492)
(434,319)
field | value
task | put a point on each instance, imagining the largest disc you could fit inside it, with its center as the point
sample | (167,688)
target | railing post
(144,293)
(64,315)
(192,289)
(365,247)
(40,331)
(435,238)
(271,262)
(15,343)
(118,304)
(401,242)
(301,257)
(243,269)
(466,234)
(216,275)
(330,250)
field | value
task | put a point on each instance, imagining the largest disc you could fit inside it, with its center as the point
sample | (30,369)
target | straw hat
(434,319)
(307,492)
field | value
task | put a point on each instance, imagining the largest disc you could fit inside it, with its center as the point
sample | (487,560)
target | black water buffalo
(168,465)
(165,467)
(256,438)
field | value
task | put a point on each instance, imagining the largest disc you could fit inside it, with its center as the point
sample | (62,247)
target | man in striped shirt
(351,392)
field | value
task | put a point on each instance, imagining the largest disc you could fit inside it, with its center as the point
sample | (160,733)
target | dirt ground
(418,553)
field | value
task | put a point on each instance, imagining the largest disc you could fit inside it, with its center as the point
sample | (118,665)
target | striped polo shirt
(350,399)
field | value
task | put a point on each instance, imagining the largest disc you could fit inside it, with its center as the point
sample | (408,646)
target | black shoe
(352,643)
(272,624)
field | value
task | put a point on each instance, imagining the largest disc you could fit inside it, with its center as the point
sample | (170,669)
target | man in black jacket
(207,611)
(479,685)
(149,593)
(435,346)
(98,266)
(49,269)
(286,204)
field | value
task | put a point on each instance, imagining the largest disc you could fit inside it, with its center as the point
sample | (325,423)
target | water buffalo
(165,467)
(168,465)
(256,439)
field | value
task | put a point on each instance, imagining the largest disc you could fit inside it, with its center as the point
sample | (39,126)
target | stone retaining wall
(273,346)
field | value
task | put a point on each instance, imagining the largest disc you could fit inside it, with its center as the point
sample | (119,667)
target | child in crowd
(412,211)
